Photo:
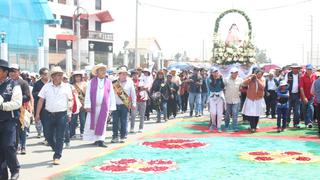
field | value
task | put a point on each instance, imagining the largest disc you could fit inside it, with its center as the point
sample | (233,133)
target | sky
(281,27)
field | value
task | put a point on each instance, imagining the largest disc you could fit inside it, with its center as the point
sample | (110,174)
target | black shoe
(191,113)
(310,125)
(23,151)
(296,126)
(15,176)
(102,144)
(96,143)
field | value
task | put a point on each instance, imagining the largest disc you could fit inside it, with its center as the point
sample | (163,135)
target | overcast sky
(282,27)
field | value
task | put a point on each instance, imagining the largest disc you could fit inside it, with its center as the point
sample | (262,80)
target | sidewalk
(37,163)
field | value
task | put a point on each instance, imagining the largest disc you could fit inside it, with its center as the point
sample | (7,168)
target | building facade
(94,35)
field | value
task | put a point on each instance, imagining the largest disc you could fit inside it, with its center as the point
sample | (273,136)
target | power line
(285,5)
(178,10)
(217,12)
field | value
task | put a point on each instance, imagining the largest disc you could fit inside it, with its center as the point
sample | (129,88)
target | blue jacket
(282,99)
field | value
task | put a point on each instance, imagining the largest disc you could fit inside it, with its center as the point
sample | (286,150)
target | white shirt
(146,81)
(58,98)
(128,87)
(16,100)
(232,90)
(271,84)
(295,82)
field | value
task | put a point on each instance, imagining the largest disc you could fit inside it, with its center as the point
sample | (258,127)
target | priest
(99,103)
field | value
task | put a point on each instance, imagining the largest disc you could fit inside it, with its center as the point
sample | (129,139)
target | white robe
(89,134)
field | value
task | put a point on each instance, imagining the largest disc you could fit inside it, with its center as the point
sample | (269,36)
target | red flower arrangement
(136,165)
(263,158)
(280,157)
(154,169)
(259,153)
(292,153)
(301,158)
(175,144)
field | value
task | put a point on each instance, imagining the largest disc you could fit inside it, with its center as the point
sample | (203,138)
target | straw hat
(122,69)
(146,70)
(98,66)
(14,67)
(55,70)
(77,73)
(295,65)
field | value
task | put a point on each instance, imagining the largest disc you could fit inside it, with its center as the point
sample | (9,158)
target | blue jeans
(232,109)
(120,120)
(23,137)
(44,122)
(294,105)
(179,103)
(308,109)
(195,101)
(74,122)
(163,111)
(8,153)
(67,133)
(56,131)
(281,114)
(204,100)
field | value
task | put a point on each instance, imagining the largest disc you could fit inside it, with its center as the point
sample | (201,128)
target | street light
(91,46)
(40,41)
(110,48)
(3,36)
(68,43)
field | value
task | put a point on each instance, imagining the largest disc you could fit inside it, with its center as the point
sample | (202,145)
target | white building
(93,27)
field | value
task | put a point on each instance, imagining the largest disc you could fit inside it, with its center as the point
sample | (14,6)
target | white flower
(229,50)
(252,60)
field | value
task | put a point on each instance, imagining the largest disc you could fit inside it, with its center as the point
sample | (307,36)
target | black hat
(4,64)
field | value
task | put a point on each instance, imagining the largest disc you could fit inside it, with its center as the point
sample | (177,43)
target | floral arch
(225,53)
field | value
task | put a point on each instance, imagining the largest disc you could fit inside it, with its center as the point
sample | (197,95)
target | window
(66,22)
(62,45)
(98,4)
(52,45)
(53,25)
(98,26)
(62,1)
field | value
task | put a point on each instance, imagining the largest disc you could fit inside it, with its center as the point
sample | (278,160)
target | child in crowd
(282,105)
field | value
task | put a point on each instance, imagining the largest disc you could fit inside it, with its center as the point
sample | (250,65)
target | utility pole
(137,58)
(311,39)
(203,50)
(78,35)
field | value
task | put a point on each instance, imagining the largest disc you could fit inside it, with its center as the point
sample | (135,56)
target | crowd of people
(58,104)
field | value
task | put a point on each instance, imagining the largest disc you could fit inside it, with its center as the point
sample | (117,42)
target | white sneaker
(140,131)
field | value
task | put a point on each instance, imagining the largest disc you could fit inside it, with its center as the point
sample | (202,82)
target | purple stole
(99,127)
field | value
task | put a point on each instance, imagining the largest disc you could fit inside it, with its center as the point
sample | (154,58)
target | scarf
(99,127)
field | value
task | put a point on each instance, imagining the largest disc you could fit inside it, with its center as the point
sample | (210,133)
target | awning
(104,16)
(66,37)
(47,15)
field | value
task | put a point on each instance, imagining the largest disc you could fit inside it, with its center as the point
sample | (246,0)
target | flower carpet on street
(186,149)
(175,144)
(280,157)
(136,165)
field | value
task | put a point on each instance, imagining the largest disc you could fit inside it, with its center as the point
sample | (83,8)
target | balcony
(97,35)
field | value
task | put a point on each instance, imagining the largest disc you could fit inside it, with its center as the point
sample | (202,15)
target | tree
(261,56)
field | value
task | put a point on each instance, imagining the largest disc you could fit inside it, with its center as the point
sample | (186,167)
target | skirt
(254,107)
